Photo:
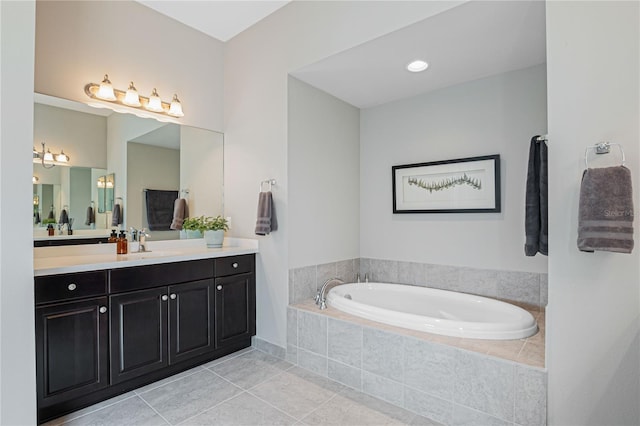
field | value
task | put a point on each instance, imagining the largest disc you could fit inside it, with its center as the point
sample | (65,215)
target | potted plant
(191,227)
(213,229)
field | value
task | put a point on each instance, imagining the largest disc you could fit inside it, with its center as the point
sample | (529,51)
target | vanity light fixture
(417,66)
(105,90)
(35,179)
(49,159)
(130,98)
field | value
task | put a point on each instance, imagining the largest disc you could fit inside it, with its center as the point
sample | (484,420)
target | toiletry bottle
(50,229)
(123,244)
(113,238)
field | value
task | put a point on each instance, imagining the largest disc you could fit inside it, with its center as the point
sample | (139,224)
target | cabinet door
(235,308)
(71,350)
(191,320)
(138,333)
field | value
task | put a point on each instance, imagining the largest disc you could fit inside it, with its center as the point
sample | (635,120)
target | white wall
(257,62)
(17,329)
(495,115)
(77,42)
(82,136)
(593,318)
(202,170)
(324,176)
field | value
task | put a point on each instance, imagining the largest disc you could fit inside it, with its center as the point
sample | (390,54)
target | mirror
(102,144)
(106,197)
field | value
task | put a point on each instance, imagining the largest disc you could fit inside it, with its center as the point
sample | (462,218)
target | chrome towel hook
(602,148)
(269,182)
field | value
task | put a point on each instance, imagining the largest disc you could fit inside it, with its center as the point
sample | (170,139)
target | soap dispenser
(123,244)
(113,238)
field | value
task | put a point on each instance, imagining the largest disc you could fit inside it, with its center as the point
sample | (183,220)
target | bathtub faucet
(321,298)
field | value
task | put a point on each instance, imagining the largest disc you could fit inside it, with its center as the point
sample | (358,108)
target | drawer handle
(103,309)
(72,287)
(165,297)
(219,287)
(235,264)
(173,296)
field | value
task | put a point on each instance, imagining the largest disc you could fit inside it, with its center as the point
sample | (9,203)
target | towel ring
(269,182)
(602,148)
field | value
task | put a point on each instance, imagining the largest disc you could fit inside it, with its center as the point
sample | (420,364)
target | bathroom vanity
(107,324)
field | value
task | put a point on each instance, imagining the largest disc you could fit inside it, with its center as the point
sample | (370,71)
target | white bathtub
(434,311)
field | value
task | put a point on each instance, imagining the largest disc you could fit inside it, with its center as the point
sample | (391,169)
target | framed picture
(463,185)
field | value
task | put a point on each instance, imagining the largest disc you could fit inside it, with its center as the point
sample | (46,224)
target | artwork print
(453,186)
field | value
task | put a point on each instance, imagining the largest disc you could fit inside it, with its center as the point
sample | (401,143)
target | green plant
(191,224)
(47,221)
(217,223)
(205,223)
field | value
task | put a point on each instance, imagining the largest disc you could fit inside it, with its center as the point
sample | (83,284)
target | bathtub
(434,311)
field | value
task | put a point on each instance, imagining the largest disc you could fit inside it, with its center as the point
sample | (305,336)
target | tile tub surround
(447,379)
(528,289)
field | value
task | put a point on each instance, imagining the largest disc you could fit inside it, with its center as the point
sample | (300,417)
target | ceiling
(471,41)
(220,19)
(467,42)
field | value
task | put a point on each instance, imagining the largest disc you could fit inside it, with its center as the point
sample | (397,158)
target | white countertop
(92,257)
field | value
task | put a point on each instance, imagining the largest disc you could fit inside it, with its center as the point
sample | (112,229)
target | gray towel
(180,211)
(605,220)
(536,206)
(64,217)
(160,208)
(91,216)
(266,222)
(116,215)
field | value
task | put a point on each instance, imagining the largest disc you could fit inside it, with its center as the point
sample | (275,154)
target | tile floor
(245,388)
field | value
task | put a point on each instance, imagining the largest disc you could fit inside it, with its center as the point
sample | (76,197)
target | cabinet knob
(235,264)
(165,297)
(219,287)
(172,296)
(103,309)
(72,287)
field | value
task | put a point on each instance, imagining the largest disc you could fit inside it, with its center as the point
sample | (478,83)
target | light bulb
(417,66)
(155,103)
(62,157)
(131,98)
(106,90)
(175,108)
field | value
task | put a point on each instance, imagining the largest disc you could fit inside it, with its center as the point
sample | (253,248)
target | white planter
(214,238)
(193,233)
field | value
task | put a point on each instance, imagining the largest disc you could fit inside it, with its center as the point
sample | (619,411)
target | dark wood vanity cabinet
(71,336)
(127,327)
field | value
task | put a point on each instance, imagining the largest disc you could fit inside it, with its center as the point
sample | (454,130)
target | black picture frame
(461,185)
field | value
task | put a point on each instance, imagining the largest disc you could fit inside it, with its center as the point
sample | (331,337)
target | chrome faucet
(141,237)
(321,299)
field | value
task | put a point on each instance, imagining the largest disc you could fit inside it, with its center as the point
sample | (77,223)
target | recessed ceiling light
(417,66)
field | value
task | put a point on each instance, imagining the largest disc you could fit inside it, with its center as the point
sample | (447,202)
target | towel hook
(602,148)
(269,182)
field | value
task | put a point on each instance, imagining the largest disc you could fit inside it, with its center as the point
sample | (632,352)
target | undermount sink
(149,254)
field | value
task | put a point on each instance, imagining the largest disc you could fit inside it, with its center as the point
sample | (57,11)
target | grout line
(173,378)
(214,406)
(156,411)
(70,415)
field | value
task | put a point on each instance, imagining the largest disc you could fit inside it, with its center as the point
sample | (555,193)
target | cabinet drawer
(53,288)
(234,265)
(161,274)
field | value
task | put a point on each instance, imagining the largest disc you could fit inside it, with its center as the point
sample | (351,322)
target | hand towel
(51,214)
(266,222)
(605,219)
(536,206)
(36,217)
(160,208)
(180,211)
(91,216)
(64,217)
(116,215)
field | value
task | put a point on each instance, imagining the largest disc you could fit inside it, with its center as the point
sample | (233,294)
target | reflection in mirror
(106,188)
(99,142)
